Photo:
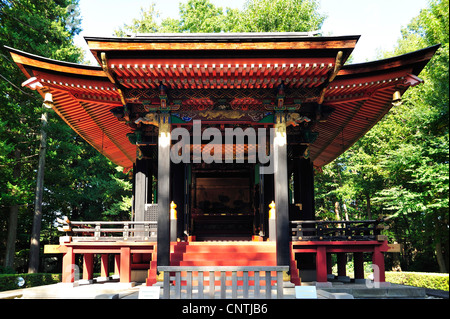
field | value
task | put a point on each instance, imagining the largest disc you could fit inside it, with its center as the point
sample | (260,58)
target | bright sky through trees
(378,22)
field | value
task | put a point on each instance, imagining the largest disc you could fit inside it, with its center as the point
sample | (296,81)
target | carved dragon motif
(149,119)
(295,119)
(222,114)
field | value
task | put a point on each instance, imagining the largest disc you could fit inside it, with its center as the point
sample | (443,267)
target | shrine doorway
(224,202)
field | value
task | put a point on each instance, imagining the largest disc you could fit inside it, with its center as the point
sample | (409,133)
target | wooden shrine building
(291,107)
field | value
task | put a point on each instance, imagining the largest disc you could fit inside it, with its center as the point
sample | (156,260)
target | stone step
(392,291)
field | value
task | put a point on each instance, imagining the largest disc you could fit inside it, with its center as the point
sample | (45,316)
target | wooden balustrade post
(166,289)
(279,285)
(268,280)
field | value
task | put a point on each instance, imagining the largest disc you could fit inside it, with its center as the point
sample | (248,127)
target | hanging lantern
(48,100)
(397,99)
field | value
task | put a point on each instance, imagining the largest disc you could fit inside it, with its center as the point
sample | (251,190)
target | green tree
(201,16)
(78,180)
(45,28)
(280,16)
(256,16)
(145,23)
(418,167)
(400,168)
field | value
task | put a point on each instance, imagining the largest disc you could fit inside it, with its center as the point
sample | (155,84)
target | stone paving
(115,290)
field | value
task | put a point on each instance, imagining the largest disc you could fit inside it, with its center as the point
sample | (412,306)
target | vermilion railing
(110,231)
(312,230)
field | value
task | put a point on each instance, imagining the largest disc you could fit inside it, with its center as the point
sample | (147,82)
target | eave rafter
(243,71)
(361,95)
(220,74)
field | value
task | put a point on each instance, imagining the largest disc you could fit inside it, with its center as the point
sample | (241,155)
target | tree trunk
(437,238)
(440,258)
(369,212)
(12,232)
(33,266)
(396,265)
(336,210)
(13,213)
(346,212)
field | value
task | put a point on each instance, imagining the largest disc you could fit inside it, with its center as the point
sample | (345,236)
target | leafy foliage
(257,16)
(424,280)
(9,282)
(400,169)
(79,181)
(280,16)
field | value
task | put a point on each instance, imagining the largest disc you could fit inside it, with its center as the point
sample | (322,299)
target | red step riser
(215,256)
(225,249)
(228,263)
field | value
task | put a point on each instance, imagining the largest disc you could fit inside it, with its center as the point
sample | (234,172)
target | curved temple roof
(83,97)
(360,94)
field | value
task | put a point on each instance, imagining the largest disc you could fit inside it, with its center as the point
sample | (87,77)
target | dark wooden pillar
(281,190)
(266,197)
(163,241)
(342,264)
(304,187)
(140,189)
(178,191)
(304,200)
(187,200)
(358,264)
